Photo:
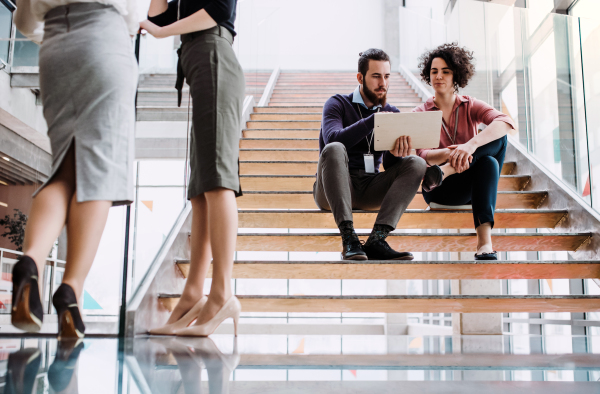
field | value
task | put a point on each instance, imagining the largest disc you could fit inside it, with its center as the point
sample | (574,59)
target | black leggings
(477,186)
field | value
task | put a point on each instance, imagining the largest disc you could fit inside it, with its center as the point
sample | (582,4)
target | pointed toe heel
(27,312)
(231,308)
(183,322)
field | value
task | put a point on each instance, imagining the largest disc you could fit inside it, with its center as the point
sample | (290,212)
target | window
(6,10)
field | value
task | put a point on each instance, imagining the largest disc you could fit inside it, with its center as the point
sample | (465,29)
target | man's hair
(459,60)
(370,54)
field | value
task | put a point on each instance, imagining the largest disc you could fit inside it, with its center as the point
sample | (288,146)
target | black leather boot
(377,247)
(352,248)
(70,324)
(433,178)
(27,312)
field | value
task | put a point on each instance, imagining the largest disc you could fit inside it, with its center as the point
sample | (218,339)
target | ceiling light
(3,204)
(5,158)
(3,183)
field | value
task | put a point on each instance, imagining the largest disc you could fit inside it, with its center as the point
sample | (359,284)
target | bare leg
(85,225)
(200,257)
(448,170)
(49,213)
(222,225)
(484,238)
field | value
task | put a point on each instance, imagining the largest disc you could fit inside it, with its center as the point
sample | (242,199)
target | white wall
(20,103)
(307,35)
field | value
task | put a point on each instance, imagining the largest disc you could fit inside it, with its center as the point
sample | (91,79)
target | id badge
(369,164)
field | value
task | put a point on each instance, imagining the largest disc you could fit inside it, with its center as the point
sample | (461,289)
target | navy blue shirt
(342,122)
(222,11)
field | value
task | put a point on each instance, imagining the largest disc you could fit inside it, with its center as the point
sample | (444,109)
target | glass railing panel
(418,34)
(590,55)
(26,53)
(5,29)
(555,87)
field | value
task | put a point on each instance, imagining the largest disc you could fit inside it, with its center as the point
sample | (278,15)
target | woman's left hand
(461,156)
(153,29)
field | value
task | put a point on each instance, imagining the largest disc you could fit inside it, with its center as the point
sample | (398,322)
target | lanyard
(455,127)
(367,137)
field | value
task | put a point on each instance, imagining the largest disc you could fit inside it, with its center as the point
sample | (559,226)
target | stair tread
(412,303)
(413,241)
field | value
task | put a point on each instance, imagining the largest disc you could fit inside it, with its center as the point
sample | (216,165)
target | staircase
(278,161)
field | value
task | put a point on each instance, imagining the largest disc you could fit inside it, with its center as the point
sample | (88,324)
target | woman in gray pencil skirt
(216,80)
(88,79)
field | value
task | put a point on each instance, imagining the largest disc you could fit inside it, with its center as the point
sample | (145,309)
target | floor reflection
(291,364)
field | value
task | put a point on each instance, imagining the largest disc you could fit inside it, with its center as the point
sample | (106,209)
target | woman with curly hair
(465,168)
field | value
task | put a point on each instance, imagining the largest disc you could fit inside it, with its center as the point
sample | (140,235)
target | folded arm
(498,125)
(165,24)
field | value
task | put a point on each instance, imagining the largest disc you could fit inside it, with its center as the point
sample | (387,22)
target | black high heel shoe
(27,312)
(70,324)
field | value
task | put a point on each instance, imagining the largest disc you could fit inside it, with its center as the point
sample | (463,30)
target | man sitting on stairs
(348,174)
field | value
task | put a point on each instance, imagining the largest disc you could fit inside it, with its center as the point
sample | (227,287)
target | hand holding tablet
(423,128)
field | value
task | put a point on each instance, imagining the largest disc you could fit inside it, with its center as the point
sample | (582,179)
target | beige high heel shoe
(232,308)
(183,322)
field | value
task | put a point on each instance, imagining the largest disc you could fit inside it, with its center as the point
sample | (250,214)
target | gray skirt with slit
(88,81)
(217,88)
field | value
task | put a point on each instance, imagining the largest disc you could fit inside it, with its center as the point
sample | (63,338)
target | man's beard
(372,96)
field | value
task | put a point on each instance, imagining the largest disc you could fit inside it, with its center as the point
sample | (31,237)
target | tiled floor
(302,364)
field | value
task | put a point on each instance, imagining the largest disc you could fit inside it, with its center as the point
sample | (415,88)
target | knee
(334,149)
(416,166)
(488,164)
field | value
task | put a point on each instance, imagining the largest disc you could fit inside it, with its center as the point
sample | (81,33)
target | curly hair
(459,60)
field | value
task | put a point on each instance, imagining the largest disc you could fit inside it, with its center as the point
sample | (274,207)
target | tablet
(424,129)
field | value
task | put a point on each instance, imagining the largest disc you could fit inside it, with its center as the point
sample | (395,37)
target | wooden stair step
(413,304)
(279,143)
(305,200)
(411,219)
(287,109)
(277,154)
(287,116)
(304,168)
(305,182)
(403,89)
(415,242)
(398,97)
(409,269)
(283,124)
(312,134)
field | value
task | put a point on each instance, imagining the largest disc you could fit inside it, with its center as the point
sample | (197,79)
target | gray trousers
(340,190)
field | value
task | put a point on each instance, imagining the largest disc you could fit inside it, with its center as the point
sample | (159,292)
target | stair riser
(279,144)
(306,184)
(283,125)
(265,155)
(281,168)
(332,270)
(413,243)
(290,134)
(306,201)
(316,117)
(410,220)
